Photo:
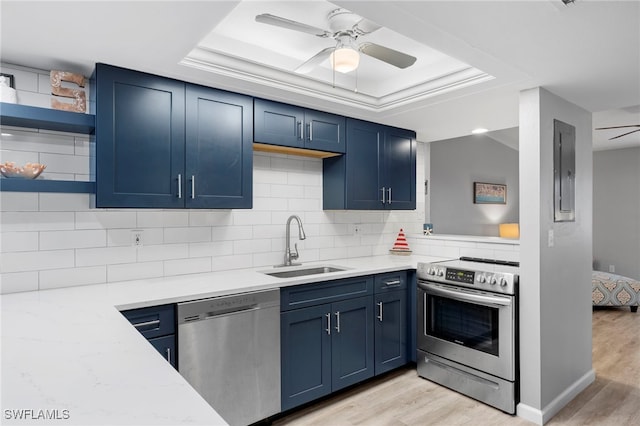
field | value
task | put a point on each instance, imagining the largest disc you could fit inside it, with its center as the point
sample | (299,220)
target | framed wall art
(489,193)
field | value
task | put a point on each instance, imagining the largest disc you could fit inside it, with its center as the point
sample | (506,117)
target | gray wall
(555,276)
(457,163)
(616,211)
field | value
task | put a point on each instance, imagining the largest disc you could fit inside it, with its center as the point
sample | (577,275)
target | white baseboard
(540,417)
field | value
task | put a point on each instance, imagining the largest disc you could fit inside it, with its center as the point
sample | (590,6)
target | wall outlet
(551,239)
(136,238)
(355,229)
(612,269)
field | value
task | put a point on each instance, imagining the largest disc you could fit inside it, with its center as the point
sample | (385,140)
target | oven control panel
(460,276)
(497,282)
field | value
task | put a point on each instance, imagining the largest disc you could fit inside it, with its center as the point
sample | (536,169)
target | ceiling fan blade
(267,18)
(314,61)
(385,54)
(365,26)
(617,127)
(624,134)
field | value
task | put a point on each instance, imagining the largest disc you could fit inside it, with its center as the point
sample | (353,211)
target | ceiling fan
(621,127)
(345,27)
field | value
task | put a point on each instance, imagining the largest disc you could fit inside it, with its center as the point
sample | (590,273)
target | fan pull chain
(356,89)
(333,68)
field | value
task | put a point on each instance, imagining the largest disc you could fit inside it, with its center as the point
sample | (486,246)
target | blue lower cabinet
(167,347)
(305,355)
(158,325)
(352,342)
(325,348)
(390,330)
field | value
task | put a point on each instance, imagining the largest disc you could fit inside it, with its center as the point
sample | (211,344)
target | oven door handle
(465,296)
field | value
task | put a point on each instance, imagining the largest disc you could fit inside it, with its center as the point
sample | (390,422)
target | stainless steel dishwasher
(229,351)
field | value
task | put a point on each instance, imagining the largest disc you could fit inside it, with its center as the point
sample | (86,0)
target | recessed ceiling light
(479,130)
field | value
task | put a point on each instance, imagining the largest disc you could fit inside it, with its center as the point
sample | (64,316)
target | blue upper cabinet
(287,125)
(219,149)
(161,143)
(139,139)
(378,171)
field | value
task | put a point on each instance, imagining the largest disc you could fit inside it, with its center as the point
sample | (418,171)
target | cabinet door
(352,342)
(278,124)
(363,166)
(306,354)
(167,347)
(219,153)
(390,330)
(400,169)
(139,139)
(324,132)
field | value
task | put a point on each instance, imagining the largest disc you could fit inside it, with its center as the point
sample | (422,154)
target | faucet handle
(295,254)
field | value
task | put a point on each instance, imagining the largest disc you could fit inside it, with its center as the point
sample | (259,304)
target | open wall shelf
(46,119)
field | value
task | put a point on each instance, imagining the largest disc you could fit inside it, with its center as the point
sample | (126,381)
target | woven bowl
(28,171)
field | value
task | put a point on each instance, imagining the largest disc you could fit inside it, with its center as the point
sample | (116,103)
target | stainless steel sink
(303,271)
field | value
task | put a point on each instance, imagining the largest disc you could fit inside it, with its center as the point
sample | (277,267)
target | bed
(615,290)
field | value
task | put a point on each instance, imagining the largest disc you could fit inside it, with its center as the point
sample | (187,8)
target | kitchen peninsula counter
(70,355)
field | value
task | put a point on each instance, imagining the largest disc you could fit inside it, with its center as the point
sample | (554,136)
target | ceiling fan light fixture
(345,59)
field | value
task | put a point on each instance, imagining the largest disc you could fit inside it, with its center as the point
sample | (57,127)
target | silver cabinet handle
(389,195)
(328,329)
(193,187)
(338,321)
(179,185)
(146,323)
(392,283)
(300,130)
(384,191)
(379,311)
(311,131)
(169,355)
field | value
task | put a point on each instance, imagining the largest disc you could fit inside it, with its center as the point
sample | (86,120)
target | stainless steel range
(467,328)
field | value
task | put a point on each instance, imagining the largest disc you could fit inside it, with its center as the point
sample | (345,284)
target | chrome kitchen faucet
(288,255)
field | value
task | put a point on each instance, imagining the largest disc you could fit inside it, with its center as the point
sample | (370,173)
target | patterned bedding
(615,290)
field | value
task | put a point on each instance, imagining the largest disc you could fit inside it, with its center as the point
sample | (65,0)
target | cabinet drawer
(324,292)
(153,321)
(391,281)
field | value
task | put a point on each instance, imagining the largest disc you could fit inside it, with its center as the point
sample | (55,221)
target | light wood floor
(401,398)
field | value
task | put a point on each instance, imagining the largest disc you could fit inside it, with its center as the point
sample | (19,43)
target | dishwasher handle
(215,307)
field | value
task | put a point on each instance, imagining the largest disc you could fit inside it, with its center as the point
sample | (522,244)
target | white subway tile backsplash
(123,237)
(18,241)
(162,219)
(70,277)
(36,221)
(60,163)
(251,246)
(250,217)
(105,256)
(18,202)
(55,202)
(218,248)
(134,271)
(222,263)
(231,233)
(187,235)
(148,253)
(55,240)
(36,260)
(210,217)
(187,266)
(18,281)
(96,219)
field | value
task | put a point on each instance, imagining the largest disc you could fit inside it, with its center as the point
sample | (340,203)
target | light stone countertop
(70,354)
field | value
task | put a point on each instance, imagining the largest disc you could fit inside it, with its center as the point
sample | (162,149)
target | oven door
(473,328)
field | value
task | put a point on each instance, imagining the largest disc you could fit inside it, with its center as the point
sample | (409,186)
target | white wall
(454,165)
(555,290)
(616,211)
(50,240)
